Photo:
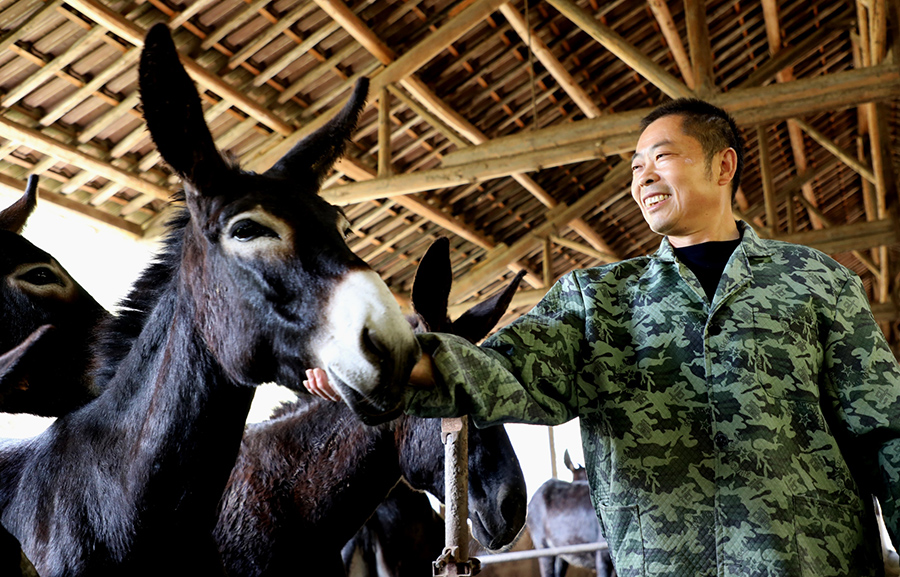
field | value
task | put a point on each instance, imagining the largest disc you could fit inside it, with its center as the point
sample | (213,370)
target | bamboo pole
(612,41)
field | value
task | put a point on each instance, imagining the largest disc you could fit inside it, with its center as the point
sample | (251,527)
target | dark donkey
(307,479)
(46,332)
(251,287)
(48,323)
(404,535)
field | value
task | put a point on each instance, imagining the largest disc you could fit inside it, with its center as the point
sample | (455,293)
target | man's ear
(727,166)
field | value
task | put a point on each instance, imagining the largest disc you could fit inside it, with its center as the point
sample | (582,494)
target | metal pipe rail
(535,553)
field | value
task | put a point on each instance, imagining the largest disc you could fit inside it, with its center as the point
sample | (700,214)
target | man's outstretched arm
(316,382)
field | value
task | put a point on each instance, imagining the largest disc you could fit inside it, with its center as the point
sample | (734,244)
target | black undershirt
(707,261)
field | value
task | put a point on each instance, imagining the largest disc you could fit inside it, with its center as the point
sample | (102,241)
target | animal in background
(48,323)
(254,285)
(47,329)
(560,514)
(401,539)
(405,535)
(307,479)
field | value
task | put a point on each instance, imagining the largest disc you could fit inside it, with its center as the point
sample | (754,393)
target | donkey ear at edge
(321,149)
(16,364)
(477,322)
(173,111)
(431,285)
(13,217)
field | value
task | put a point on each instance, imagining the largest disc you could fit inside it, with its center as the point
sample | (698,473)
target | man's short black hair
(714,128)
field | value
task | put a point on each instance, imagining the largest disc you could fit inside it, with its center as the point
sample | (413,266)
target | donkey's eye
(41,276)
(247,229)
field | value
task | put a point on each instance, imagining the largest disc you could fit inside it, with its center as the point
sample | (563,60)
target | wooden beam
(886,312)
(135,34)
(789,56)
(72,204)
(542,52)
(578,247)
(768,186)
(34,20)
(522,298)
(384,135)
(358,172)
(497,260)
(356,28)
(26,86)
(38,141)
(834,149)
(848,237)
(701,51)
(548,263)
(867,262)
(749,106)
(795,185)
(612,41)
(443,115)
(426,114)
(660,9)
(398,70)
(94,85)
(475,172)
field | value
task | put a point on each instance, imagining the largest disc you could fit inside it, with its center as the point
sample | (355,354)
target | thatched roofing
(518,169)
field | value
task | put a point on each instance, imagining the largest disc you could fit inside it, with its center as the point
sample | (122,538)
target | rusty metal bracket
(448,565)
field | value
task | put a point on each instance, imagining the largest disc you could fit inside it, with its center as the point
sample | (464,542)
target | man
(738,404)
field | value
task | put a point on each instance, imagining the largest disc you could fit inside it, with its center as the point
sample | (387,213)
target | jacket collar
(751,244)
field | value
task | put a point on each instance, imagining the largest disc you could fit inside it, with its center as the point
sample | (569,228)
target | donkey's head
(497,497)
(48,323)
(276,287)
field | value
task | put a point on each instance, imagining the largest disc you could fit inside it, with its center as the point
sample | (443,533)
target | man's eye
(41,276)
(247,229)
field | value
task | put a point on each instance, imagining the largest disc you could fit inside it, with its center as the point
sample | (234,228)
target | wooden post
(384,134)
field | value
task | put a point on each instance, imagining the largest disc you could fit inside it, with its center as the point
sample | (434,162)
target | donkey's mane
(117,333)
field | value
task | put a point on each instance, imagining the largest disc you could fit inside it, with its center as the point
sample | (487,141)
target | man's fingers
(317,383)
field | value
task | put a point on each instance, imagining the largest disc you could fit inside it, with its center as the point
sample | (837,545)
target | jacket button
(721,440)
(714,330)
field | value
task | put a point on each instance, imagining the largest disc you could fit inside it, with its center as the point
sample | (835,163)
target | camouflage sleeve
(863,377)
(525,373)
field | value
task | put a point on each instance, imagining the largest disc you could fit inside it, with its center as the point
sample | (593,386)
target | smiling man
(739,405)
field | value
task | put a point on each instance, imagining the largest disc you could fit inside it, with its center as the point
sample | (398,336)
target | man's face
(680,195)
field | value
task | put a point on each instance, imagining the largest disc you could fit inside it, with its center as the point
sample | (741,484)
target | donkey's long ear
(16,364)
(14,216)
(173,112)
(319,151)
(477,322)
(431,287)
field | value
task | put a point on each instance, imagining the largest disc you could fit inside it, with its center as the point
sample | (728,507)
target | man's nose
(648,177)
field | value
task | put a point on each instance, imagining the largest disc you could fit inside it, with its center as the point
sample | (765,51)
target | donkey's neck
(146,461)
(183,416)
(338,470)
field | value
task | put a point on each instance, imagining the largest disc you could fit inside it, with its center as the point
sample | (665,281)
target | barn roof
(504,126)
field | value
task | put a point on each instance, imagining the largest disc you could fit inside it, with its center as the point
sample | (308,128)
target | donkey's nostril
(372,344)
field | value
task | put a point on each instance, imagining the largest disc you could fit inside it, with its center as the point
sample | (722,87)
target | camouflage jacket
(742,436)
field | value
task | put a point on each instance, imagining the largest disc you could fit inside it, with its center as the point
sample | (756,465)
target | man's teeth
(648,202)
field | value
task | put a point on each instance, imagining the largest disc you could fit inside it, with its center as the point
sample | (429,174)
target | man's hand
(317,381)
